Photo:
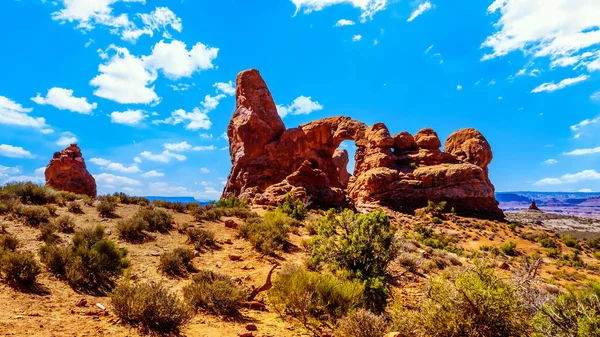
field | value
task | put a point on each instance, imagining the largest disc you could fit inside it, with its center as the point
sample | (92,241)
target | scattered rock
(230,224)
(228,242)
(100,306)
(155,253)
(251,327)
(234,257)
(400,172)
(245,334)
(67,172)
(504,266)
(81,303)
(107,231)
(247,267)
(218,264)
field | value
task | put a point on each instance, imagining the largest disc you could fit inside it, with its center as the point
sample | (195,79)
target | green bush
(570,241)
(509,248)
(214,292)
(314,298)
(30,193)
(91,262)
(466,303)
(547,242)
(177,262)
(436,210)
(75,207)
(19,268)
(201,238)
(231,202)
(34,215)
(156,219)
(268,234)
(553,252)
(593,243)
(106,209)
(48,233)
(174,206)
(575,313)
(132,229)
(150,305)
(65,223)
(362,323)
(51,209)
(8,242)
(293,208)
(364,245)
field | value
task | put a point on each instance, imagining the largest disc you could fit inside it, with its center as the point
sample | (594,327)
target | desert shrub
(239,212)
(593,243)
(48,233)
(364,245)
(106,209)
(512,226)
(292,207)
(30,193)
(597,255)
(110,198)
(231,202)
(268,234)
(214,292)
(174,206)
(408,260)
(570,241)
(8,203)
(68,196)
(75,207)
(574,259)
(463,302)
(208,214)
(131,200)
(436,220)
(8,242)
(509,248)
(314,298)
(553,252)
(151,306)
(575,313)
(51,209)
(547,242)
(201,238)
(65,223)
(362,323)
(177,262)
(19,268)
(436,210)
(428,237)
(34,215)
(91,262)
(156,219)
(132,229)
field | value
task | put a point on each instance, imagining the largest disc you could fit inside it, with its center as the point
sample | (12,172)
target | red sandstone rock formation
(401,172)
(67,172)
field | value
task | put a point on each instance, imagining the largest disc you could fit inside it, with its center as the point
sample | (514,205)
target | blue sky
(146,88)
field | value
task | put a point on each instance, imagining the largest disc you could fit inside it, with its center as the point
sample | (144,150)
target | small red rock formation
(67,172)
(401,172)
(533,206)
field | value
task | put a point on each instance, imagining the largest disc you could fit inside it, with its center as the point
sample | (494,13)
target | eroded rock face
(67,172)
(401,171)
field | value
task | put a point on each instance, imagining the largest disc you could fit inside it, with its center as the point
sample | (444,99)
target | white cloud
(204,148)
(125,79)
(100,161)
(560,30)
(368,7)
(194,120)
(164,189)
(67,138)
(14,151)
(585,190)
(129,117)
(164,157)
(585,122)
(300,106)
(177,147)
(111,179)
(63,99)
(459,87)
(6,170)
(582,152)
(551,161)
(578,135)
(181,86)
(424,7)
(153,174)
(87,14)
(40,171)
(33,179)
(344,22)
(122,168)
(137,159)
(175,61)
(429,49)
(571,178)
(550,87)
(13,113)
(356,38)
(159,19)
(206,136)
(227,88)
(204,170)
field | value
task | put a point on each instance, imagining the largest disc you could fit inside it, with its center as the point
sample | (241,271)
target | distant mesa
(402,172)
(67,172)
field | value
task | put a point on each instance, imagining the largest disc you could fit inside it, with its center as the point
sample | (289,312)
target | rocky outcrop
(402,172)
(533,206)
(67,172)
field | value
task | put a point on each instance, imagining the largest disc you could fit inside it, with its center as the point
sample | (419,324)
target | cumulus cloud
(175,61)
(585,190)
(571,178)
(551,161)
(356,38)
(129,117)
(113,166)
(300,106)
(585,122)
(204,148)
(368,7)
(344,22)
(424,7)
(124,79)
(165,157)
(204,170)
(164,189)
(14,151)
(582,152)
(66,139)
(177,147)
(13,113)
(159,19)
(5,171)
(153,174)
(63,99)
(550,87)
(227,88)
(111,179)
